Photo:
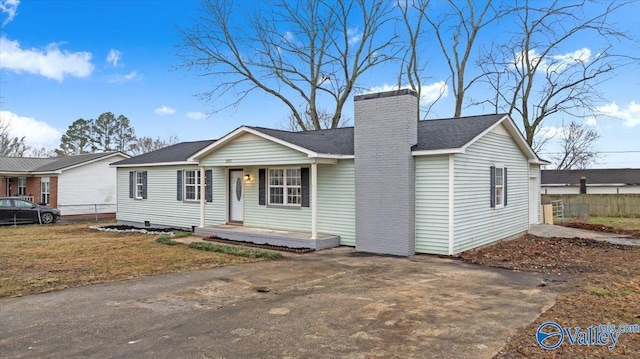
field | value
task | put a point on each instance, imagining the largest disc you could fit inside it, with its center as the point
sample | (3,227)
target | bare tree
(324,117)
(11,145)
(147,144)
(42,152)
(577,141)
(456,32)
(534,77)
(302,53)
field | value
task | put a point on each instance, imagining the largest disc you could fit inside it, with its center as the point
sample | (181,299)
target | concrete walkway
(548,230)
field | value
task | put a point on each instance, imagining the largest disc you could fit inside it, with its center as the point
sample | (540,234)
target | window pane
(293,195)
(276,177)
(498,196)
(293,177)
(498,176)
(276,195)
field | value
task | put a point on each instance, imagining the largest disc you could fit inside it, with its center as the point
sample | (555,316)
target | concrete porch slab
(291,239)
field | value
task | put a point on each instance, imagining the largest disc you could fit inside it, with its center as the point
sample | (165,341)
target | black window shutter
(493,186)
(179,188)
(208,185)
(304,184)
(504,181)
(144,185)
(131,183)
(262,184)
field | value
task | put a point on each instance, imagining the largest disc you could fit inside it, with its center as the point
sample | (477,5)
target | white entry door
(533,201)
(236,196)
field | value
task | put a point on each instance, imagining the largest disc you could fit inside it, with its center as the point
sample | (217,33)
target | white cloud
(37,133)
(288,36)
(549,131)
(164,110)
(49,62)
(630,115)
(591,121)
(429,94)
(113,57)
(9,7)
(196,115)
(118,79)
(555,63)
(354,35)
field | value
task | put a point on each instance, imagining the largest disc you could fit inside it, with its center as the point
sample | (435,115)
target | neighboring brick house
(390,184)
(76,184)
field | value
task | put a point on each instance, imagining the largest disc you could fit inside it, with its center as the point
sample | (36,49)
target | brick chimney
(385,128)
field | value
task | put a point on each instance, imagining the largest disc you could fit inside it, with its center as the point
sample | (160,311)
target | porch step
(272,237)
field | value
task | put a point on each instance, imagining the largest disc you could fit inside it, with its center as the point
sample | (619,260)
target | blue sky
(64,60)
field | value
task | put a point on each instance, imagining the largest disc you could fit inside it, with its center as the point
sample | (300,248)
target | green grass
(601,292)
(617,222)
(182,234)
(236,251)
(166,240)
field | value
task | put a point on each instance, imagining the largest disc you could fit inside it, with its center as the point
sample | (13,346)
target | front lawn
(36,259)
(599,284)
(617,222)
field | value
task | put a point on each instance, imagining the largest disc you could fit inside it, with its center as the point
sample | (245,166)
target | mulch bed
(255,245)
(599,284)
(634,233)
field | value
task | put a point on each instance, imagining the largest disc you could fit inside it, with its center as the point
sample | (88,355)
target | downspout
(451,203)
(314,200)
(202,196)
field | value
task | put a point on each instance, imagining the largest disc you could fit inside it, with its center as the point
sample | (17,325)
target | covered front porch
(274,237)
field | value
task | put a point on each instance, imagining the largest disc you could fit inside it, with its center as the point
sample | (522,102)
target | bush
(166,240)
(236,251)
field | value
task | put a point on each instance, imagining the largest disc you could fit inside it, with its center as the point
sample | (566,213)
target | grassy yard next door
(36,259)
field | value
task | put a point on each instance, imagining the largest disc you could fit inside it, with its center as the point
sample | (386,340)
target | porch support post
(202,199)
(314,200)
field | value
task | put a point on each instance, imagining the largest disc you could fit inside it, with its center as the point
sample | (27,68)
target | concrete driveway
(334,303)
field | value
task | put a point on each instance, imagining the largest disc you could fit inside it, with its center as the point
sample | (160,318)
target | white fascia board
(241,130)
(157,164)
(94,160)
(445,151)
(539,162)
(46,173)
(330,156)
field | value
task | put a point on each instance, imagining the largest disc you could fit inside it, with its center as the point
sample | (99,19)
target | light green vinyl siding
(432,204)
(215,212)
(272,217)
(336,201)
(475,222)
(254,152)
(160,207)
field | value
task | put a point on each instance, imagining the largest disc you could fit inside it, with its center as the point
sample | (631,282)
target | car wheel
(47,217)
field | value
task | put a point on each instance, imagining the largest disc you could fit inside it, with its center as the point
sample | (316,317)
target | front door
(236,196)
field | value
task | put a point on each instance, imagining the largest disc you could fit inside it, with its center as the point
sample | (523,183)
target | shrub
(235,251)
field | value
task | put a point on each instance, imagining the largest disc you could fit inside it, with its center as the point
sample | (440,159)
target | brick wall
(53,191)
(3,187)
(385,128)
(33,188)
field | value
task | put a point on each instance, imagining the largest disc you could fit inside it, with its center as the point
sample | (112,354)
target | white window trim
(495,180)
(196,185)
(44,193)
(284,187)
(138,192)
(20,179)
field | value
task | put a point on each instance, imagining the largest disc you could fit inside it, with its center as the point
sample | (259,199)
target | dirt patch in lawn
(634,233)
(600,285)
(37,259)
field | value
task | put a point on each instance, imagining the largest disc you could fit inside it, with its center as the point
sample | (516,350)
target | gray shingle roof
(68,161)
(630,176)
(334,141)
(28,164)
(175,153)
(452,132)
(432,135)
(23,164)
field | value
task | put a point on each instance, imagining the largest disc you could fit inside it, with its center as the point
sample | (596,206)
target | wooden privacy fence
(601,205)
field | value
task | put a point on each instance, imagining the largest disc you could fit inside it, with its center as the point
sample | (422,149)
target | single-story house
(79,184)
(390,184)
(594,181)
